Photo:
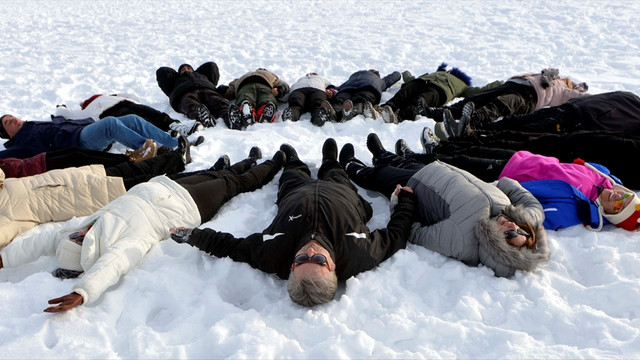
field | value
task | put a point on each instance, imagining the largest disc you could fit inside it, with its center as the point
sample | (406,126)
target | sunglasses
(618,204)
(510,234)
(315,259)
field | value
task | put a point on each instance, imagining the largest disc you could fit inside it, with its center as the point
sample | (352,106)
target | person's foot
(279,158)
(287,115)
(388,115)
(374,145)
(370,111)
(456,127)
(184,147)
(148,150)
(348,159)
(255,154)
(197,141)
(347,110)
(222,163)
(248,113)
(268,113)
(403,149)
(429,140)
(234,119)
(291,153)
(204,116)
(329,151)
(326,105)
(319,117)
(177,128)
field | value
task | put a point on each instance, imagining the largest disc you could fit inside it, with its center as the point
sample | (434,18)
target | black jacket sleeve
(394,237)
(210,70)
(166,78)
(391,79)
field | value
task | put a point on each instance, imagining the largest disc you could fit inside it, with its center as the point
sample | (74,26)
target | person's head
(621,207)
(517,235)
(185,68)
(9,126)
(312,74)
(68,256)
(312,280)
(375,72)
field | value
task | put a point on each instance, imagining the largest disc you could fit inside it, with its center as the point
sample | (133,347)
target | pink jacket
(525,166)
(557,93)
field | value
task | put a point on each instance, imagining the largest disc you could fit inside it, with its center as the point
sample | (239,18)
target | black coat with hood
(331,213)
(175,85)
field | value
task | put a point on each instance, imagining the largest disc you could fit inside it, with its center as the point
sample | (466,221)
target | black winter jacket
(332,214)
(365,79)
(175,85)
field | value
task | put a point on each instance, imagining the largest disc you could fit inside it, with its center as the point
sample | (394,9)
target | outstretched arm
(65,303)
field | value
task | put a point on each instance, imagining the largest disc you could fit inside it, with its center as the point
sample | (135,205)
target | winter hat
(629,217)
(3,132)
(86,102)
(69,255)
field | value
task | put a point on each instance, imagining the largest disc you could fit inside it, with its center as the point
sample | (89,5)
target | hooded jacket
(457,214)
(56,195)
(262,75)
(332,214)
(94,106)
(175,85)
(556,93)
(122,233)
(452,86)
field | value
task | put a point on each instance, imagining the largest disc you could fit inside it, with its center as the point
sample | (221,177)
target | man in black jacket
(194,93)
(320,233)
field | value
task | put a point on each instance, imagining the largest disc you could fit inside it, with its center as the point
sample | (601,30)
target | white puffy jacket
(123,232)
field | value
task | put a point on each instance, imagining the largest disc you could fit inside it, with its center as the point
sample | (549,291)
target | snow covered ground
(182,303)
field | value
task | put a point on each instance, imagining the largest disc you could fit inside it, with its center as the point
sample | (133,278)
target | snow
(182,303)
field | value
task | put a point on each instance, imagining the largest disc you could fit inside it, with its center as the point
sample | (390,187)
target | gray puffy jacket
(457,214)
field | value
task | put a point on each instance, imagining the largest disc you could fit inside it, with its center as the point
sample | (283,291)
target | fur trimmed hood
(503,258)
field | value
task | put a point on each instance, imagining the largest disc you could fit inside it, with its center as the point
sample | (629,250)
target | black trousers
(218,106)
(405,99)
(211,189)
(305,100)
(616,151)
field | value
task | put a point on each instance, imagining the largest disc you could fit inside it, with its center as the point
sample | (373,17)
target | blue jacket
(365,79)
(35,137)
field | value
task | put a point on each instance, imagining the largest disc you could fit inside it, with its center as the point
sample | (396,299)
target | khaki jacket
(56,195)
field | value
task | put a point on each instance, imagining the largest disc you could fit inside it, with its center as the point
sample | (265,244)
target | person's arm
(281,89)
(391,79)
(394,236)
(29,249)
(210,70)
(166,78)
(521,196)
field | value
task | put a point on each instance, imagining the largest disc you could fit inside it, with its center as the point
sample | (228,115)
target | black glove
(181,235)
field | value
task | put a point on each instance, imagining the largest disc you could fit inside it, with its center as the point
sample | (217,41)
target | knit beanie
(629,217)
(3,132)
(86,102)
(69,255)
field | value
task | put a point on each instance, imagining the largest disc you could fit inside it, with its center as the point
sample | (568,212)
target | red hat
(629,217)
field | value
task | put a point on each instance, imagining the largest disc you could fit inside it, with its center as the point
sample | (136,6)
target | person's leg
(364,95)
(248,92)
(146,130)
(382,179)
(168,163)
(189,103)
(217,105)
(211,194)
(407,94)
(126,107)
(264,95)
(546,120)
(314,99)
(73,157)
(296,102)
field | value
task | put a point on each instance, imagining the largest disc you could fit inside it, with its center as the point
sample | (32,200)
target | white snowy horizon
(182,303)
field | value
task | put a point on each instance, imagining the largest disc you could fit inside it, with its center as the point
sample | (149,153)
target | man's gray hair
(311,291)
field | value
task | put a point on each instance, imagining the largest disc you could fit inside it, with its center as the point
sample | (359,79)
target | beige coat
(56,195)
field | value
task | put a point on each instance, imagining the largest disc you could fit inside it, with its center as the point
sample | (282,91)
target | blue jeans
(129,130)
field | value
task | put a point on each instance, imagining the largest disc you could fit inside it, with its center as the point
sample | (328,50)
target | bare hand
(65,303)
(329,93)
(274,91)
(175,228)
(405,188)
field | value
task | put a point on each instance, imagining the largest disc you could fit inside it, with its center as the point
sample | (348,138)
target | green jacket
(451,86)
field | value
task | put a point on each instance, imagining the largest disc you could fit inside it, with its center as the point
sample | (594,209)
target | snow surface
(182,303)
